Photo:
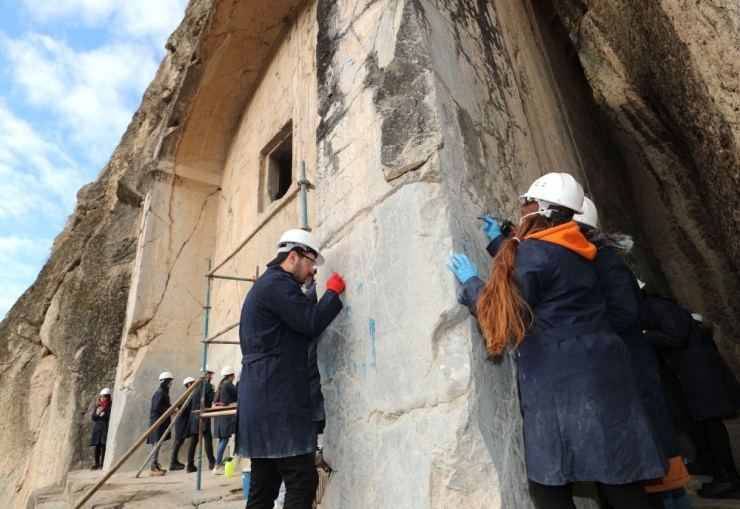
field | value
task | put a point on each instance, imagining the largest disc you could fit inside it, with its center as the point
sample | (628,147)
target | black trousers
(99,454)
(176,450)
(207,445)
(710,436)
(299,474)
(621,496)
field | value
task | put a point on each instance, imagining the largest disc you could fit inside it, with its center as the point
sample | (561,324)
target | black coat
(277,323)
(195,405)
(100,428)
(226,426)
(626,316)
(708,385)
(583,417)
(160,404)
(318,412)
(182,426)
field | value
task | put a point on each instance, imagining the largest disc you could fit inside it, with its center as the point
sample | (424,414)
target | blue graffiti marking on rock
(359,288)
(374,362)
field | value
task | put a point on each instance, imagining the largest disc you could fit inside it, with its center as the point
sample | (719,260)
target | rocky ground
(177,490)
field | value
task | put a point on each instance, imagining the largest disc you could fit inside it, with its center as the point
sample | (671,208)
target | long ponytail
(502,312)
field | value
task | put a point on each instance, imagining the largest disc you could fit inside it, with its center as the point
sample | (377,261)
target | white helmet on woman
(555,189)
(105,392)
(188,380)
(589,217)
(299,238)
(227,370)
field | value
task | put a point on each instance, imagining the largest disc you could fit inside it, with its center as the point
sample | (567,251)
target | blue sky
(72,73)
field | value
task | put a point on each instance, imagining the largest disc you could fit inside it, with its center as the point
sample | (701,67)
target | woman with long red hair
(583,418)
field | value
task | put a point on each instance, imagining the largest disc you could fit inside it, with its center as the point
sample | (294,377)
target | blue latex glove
(491,227)
(462,267)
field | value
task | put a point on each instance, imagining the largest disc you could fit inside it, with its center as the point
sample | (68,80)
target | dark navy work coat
(624,311)
(182,426)
(195,405)
(318,412)
(100,428)
(583,418)
(224,427)
(160,404)
(277,323)
(709,387)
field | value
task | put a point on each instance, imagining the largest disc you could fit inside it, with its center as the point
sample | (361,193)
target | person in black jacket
(224,427)
(101,417)
(160,405)
(709,393)
(195,418)
(182,430)
(278,321)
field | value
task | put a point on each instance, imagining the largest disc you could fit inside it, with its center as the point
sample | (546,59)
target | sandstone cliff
(59,343)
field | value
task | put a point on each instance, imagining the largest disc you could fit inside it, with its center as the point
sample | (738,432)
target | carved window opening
(276,167)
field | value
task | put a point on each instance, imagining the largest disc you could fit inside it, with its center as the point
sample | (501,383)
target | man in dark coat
(318,413)
(709,393)
(182,430)
(195,418)
(274,420)
(160,405)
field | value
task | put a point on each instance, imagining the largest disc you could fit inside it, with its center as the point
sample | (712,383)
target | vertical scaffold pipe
(206,316)
(304,197)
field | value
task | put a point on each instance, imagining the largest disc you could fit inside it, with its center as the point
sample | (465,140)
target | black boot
(726,484)
(176,466)
(704,465)
(96,466)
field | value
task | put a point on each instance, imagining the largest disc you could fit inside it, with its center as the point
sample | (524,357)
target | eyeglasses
(311,261)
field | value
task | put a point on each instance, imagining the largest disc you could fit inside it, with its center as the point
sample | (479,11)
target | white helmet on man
(227,370)
(589,217)
(105,392)
(299,238)
(188,380)
(165,375)
(555,189)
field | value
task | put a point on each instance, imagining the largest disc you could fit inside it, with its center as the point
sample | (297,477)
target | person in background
(224,427)
(182,430)
(623,296)
(195,418)
(278,321)
(101,417)
(709,388)
(583,418)
(159,406)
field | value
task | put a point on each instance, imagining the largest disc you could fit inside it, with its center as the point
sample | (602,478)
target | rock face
(412,117)
(59,343)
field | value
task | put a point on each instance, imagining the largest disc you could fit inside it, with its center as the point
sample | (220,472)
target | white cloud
(135,18)
(91,94)
(37,179)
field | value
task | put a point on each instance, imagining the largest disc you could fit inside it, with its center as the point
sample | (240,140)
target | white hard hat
(208,369)
(228,370)
(188,380)
(555,189)
(697,317)
(299,238)
(641,284)
(105,392)
(165,375)
(589,217)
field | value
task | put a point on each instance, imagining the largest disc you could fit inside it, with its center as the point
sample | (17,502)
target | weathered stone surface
(666,76)
(58,343)
(413,118)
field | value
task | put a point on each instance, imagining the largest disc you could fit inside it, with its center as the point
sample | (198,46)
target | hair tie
(518,240)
